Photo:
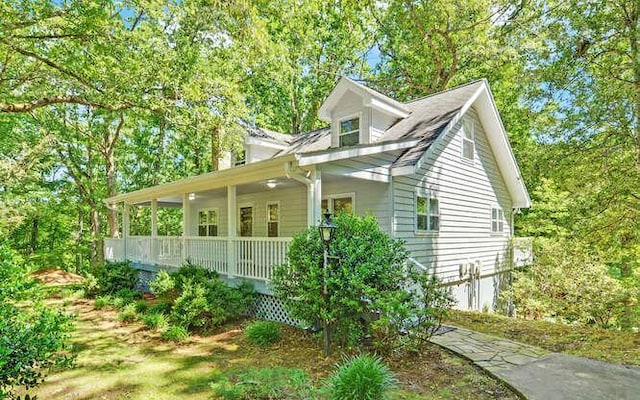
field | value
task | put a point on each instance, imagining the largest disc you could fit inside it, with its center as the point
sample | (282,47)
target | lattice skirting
(271,308)
(265,307)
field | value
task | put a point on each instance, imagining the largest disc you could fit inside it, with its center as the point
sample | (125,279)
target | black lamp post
(327,228)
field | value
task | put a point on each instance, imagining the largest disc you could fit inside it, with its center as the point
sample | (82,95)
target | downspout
(303,177)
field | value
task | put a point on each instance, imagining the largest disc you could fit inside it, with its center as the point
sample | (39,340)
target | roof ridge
(447,90)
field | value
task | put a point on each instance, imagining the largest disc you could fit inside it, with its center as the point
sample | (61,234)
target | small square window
(208,222)
(349,132)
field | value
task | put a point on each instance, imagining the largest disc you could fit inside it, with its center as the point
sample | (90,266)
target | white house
(437,172)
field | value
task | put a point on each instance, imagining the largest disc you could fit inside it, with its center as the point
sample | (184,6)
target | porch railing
(250,257)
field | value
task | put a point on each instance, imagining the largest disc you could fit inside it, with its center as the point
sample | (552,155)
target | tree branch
(46,101)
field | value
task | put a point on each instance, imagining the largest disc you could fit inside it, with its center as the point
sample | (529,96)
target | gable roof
(424,122)
(369,97)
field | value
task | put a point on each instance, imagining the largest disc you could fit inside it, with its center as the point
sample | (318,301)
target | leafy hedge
(197,299)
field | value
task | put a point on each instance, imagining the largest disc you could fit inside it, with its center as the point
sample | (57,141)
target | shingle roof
(427,119)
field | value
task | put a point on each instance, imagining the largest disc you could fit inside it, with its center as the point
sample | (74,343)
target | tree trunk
(96,244)
(79,236)
(112,214)
(34,235)
(215,149)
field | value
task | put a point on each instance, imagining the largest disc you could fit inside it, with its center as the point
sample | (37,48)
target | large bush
(366,279)
(113,277)
(199,299)
(34,338)
(569,283)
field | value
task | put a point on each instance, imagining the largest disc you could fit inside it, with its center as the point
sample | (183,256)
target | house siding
(293,211)
(466,192)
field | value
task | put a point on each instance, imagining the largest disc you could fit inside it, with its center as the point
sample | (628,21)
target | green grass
(128,361)
(600,344)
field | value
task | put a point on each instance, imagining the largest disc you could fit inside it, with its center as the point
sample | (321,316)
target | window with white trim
(427,213)
(349,134)
(468,139)
(273,219)
(208,222)
(338,203)
(497,220)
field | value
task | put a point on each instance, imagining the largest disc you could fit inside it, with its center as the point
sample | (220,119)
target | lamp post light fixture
(327,229)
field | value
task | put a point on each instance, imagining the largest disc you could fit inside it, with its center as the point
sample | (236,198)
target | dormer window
(239,158)
(349,132)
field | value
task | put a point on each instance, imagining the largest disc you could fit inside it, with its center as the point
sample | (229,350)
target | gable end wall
(466,191)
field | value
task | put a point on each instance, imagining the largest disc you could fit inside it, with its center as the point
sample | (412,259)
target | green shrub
(263,333)
(366,280)
(102,302)
(141,306)
(113,277)
(91,285)
(361,378)
(568,282)
(199,299)
(160,308)
(34,339)
(118,302)
(175,333)
(267,383)
(163,286)
(129,295)
(128,314)
(155,321)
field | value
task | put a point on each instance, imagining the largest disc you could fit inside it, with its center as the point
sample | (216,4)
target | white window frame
(468,126)
(270,203)
(331,197)
(357,116)
(253,218)
(208,223)
(428,196)
(497,224)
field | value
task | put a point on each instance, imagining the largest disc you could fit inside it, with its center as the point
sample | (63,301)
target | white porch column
(125,229)
(155,248)
(154,217)
(186,215)
(316,198)
(231,231)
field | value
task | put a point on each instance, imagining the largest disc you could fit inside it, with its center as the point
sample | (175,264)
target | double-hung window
(349,132)
(427,213)
(338,203)
(208,222)
(273,219)
(468,139)
(497,220)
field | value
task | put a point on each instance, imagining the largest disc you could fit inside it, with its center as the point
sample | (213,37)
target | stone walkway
(536,374)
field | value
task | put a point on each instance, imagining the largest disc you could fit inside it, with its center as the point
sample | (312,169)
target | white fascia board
(247,173)
(376,174)
(404,170)
(497,137)
(265,143)
(387,108)
(340,154)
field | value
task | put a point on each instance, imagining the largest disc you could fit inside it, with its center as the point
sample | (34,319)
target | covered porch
(237,222)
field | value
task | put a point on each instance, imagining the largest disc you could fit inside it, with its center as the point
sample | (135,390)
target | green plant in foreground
(267,383)
(361,378)
(175,333)
(155,321)
(102,302)
(128,314)
(263,333)
(141,306)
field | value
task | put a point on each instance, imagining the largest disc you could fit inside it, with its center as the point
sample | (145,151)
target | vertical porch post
(315,198)
(231,231)
(125,229)
(154,231)
(186,214)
